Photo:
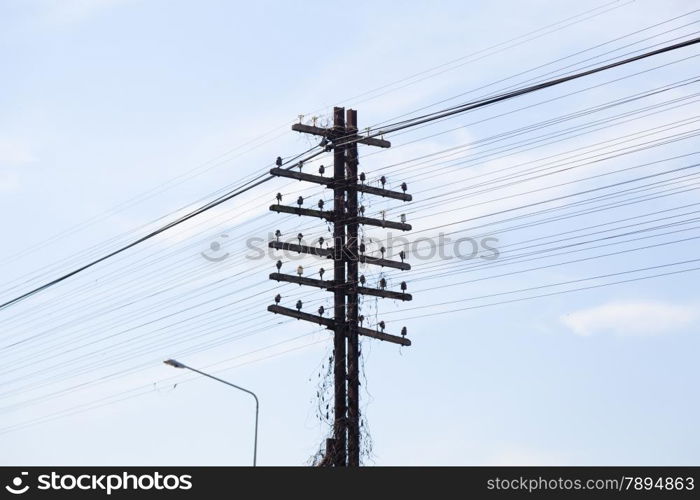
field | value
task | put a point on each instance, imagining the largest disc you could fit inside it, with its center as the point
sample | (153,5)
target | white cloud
(13,153)
(631,318)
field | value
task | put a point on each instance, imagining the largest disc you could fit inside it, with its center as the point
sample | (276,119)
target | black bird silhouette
(320,241)
(363,177)
(300,201)
(320,204)
(361,318)
(403,286)
(382,325)
(404,187)
(321,169)
(382,179)
(362,248)
(402,255)
(321,310)
(383,250)
(278,297)
(404,331)
(278,162)
(362,210)
(382,283)
(278,265)
(278,233)
(300,237)
(299,304)
(362,279)
(278,198)
(320,272)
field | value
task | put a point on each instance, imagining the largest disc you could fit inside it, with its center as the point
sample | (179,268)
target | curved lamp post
(177,364)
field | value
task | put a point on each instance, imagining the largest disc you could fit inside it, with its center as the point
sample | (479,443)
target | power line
(345,141)
(237,192)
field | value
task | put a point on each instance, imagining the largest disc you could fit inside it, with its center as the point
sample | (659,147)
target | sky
(120,115)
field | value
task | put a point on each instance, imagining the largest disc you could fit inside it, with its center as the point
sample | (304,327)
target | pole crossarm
(331,324)
(293,247)
(367,221)
(283,209)
(385,193)
(330,284)
(326,284)
(386,294)
(348,139)
(312,318)
(394,339)
(328,181)
(302,176)
(403,266)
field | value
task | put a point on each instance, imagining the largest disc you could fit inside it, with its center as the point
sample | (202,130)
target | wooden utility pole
(343,449)
(339,371)
(352,283)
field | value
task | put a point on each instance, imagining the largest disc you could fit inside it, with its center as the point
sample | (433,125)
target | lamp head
(173,363)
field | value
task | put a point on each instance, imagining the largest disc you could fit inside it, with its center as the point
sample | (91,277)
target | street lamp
(177,364)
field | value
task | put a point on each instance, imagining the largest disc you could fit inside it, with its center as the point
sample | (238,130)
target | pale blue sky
(105,100)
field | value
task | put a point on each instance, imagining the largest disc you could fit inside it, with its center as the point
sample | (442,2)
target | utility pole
(353,340)
(339,371)
(343,449)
